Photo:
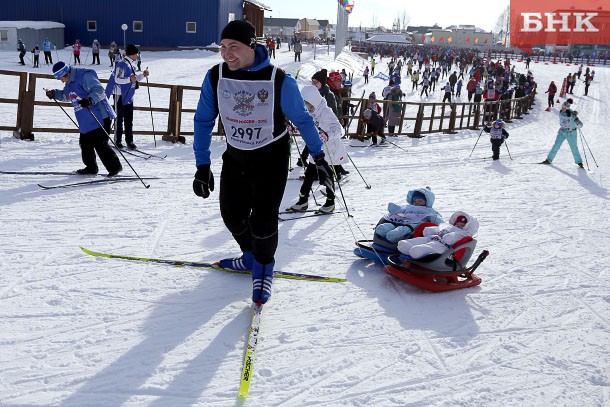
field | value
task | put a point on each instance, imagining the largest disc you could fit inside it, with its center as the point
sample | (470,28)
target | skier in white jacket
(330,133)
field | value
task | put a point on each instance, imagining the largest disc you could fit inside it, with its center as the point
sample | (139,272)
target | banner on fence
(383,76)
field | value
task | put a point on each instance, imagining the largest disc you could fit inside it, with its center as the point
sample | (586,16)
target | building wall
(163,22)
(459,38)
(31,37)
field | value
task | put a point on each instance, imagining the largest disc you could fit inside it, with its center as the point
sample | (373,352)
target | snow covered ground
(81,331)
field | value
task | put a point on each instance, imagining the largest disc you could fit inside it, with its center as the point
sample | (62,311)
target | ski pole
(120,152)
(87,57)
(105,132)
(349,215)
(506,144)
(584,140)
(64,110)
(358,171)
(584,153)
(151,113)
(475,144)
(396,145)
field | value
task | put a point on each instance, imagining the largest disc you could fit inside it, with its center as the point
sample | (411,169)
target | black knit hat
(321,76)
(131,49)
(240,30)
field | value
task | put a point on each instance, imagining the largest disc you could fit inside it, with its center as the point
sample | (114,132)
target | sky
(384,12)
(78,331)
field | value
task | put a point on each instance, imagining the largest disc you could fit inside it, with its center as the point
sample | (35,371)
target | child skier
(437,239)
(400,221)
(497,135)
(330,132)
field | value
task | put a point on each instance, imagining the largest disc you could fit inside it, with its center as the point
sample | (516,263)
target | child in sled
(401,221)
(330,132)
(437,239)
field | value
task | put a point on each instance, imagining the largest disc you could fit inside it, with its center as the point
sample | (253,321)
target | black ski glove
(325,173)
(86,102)
(51,93)
(204,181)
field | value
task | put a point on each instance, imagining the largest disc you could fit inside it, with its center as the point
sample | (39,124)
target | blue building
(152,24)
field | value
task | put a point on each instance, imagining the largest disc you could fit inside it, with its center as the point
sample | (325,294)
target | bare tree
(503,21)
(396,25)
(375,24)
(405,19)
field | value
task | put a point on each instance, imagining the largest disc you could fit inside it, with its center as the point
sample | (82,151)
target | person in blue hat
(401,220)
(93,113)
(497,135)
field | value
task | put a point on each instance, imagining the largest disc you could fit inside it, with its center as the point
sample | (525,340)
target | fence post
(175,113)
(451,129)
(419,121)
(25,107)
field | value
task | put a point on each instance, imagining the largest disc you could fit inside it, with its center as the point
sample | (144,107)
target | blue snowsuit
(568,124)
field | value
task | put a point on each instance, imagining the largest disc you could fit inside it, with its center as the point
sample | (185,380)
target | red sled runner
(438,273)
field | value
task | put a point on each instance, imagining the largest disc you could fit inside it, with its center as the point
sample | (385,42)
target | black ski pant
(124,117)
(311,174)
(96,141)
(96,57)
(48,59)
(77,58)
(495,147)
(252,184)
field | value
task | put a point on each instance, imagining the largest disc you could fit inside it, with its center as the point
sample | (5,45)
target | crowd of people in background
(114,53)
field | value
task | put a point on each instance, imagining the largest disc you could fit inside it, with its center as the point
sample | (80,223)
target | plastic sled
(440,272)
(368,249)
(379,249)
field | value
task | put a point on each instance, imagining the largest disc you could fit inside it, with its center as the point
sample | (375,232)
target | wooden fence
(416,119)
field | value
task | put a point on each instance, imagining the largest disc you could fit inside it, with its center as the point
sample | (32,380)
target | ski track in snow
(83,331)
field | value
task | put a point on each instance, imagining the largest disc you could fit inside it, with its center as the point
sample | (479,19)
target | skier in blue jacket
(83,89)
(568,125)
(253,99)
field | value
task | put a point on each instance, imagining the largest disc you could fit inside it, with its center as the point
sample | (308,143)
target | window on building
(91,25)
(231,17)
(3,35)
(138,26)
(191,27)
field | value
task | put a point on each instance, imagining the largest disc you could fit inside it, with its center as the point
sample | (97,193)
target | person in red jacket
(471,87)
(551,91)
(76,52)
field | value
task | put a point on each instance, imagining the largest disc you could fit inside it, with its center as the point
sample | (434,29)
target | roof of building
(280,22)
(390,38)
(259,4)
(31,24)
(311,21)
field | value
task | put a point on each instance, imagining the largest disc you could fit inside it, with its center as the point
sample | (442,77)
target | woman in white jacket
(330,133)
(437,239)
